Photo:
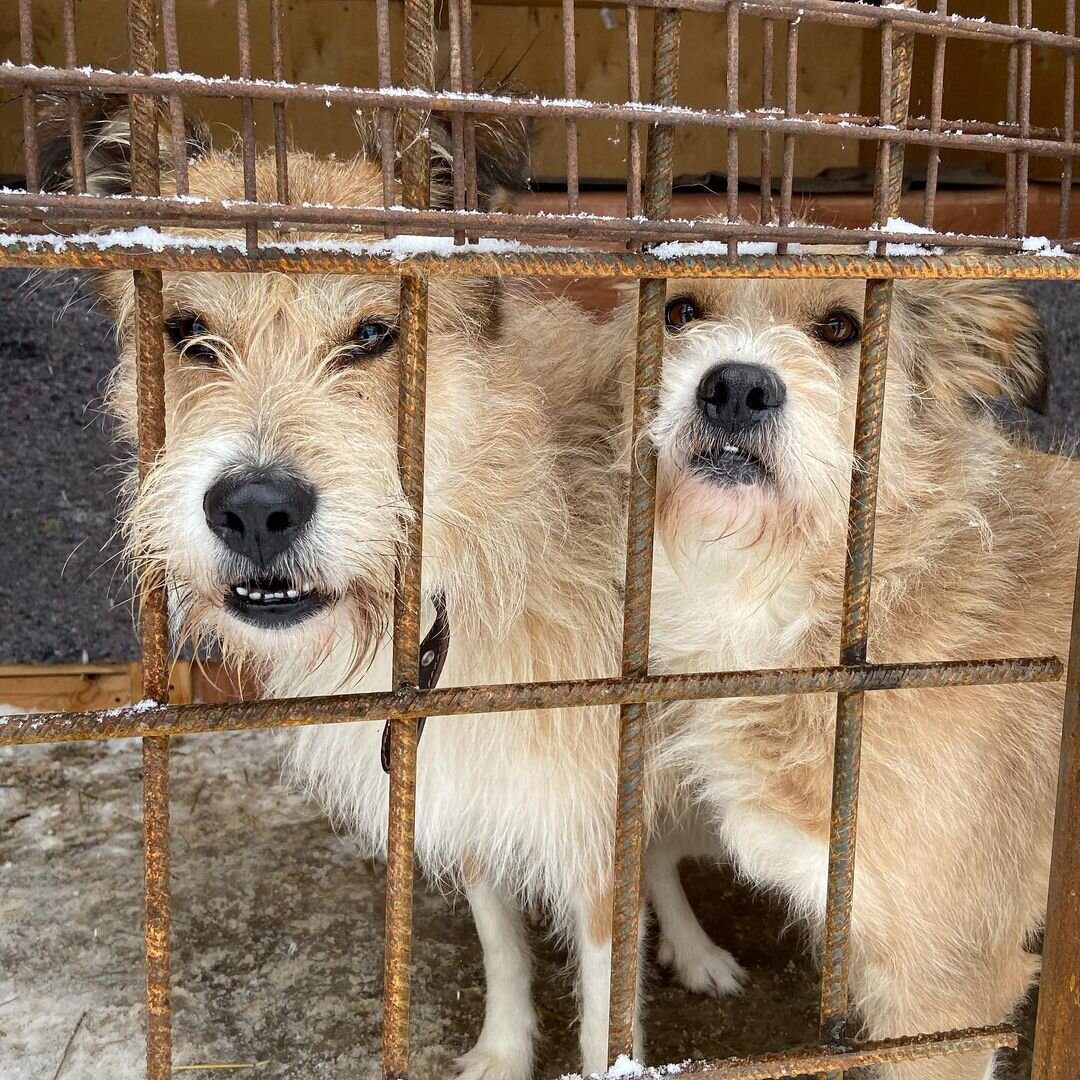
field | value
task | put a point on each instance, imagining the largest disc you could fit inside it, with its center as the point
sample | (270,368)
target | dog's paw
(484,1063)
(708,970)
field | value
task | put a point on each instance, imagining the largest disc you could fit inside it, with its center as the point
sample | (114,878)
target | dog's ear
(106,148)
(502,156)
(978,339)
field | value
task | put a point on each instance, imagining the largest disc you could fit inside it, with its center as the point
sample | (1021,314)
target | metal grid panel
(40,235)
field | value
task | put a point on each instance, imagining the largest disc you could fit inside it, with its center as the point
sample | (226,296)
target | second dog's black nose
(740,396)
(258,515)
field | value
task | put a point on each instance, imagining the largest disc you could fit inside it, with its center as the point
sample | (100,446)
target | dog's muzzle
(259,515)
(736,406)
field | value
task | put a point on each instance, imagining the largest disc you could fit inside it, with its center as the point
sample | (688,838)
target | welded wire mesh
(76,229)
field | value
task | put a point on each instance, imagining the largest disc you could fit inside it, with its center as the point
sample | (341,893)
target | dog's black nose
(258,515)
(737,397)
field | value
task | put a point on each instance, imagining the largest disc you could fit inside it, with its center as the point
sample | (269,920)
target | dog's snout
(740,396)
(258,515)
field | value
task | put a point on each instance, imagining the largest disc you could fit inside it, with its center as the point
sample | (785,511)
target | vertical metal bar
(633,131)
(457,120)
(150,389)
(416,164)
(570,92)
(897,52)
(937,92)
(468,85)
(768,33)
(1023,159)
(1068,125)
(247,122)
(386,115)
(281,144)
(75,119)
(732,183)
(1057,1026)
(29,110)
(1010,115)
(659,166)
(176,104)
(791,89)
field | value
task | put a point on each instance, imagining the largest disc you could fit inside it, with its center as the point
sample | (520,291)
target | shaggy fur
(523,505)
(974,557)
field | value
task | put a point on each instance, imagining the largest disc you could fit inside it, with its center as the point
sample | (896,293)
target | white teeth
(241,591)
(308,587)
(729,449)
(292,594)
(277,596)
(256,596)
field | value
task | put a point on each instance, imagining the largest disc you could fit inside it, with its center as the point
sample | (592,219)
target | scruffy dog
(974,557)
(278,514)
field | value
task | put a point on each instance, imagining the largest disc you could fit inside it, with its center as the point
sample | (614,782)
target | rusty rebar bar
(570,93)
(58,252)
(787,160)
(956,134)
(1057,1025)
(633,718)
(937,93)
(247,122)
(633,131)
(131,722)
(29,109)
(768,35)
(153,614)
(177,125)
(277,62)
(74,103)
(1068,125)
(419,51)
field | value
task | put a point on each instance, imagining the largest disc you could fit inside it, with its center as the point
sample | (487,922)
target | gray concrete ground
(278,922)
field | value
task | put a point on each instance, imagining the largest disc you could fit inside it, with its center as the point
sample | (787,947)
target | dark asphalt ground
(62,593)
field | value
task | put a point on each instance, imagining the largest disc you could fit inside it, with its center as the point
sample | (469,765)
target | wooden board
(75,687)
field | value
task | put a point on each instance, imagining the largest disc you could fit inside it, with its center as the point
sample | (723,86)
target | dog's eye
(680,312)
(837,328)
(370,338)
(186,331)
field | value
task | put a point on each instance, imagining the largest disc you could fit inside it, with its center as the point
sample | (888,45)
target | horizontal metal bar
(792,1063)
(817,124)
(407,702)
(57,252)
(66,212)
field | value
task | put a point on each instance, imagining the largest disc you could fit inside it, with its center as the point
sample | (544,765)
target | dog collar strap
(433,651)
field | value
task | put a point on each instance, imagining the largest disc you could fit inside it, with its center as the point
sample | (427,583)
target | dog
(974,557)
(277,513)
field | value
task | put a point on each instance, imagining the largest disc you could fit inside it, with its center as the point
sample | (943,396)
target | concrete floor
(278,922)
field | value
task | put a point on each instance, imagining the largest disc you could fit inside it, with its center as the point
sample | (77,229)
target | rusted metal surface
(419,49)
(853,632)
(798,1063)
(153,613)
(633,718)
(991,138)
(553,263)
(896,56)
(499,697)
(1057,1031)
(65,212)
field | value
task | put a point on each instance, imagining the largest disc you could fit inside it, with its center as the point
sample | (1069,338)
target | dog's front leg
(504,1050)
(701,965)
(593,947)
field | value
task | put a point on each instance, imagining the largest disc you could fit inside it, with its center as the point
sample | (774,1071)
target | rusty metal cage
(59,231)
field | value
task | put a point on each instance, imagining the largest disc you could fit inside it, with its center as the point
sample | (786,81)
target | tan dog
(278,513)
(974,557)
